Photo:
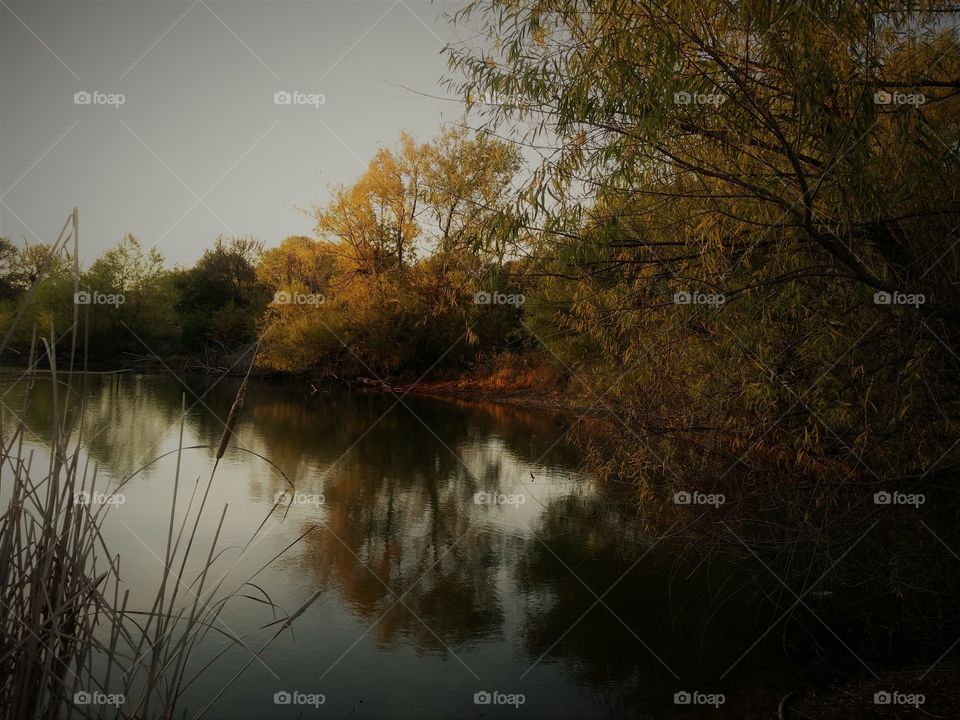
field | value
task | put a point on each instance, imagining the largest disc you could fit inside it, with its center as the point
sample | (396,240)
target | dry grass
(504,376)
(67,625)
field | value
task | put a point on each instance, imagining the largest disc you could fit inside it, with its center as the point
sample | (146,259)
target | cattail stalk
(232,418)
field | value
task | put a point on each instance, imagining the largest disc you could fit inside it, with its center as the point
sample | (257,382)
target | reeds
(67,626)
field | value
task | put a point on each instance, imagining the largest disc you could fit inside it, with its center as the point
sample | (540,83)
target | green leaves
(757,149)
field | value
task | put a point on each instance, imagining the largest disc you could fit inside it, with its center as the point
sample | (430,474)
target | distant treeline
(412,273)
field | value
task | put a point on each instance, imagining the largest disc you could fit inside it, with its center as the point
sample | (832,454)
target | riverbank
(911,692)
(483,390)
(521,380)
(508,379)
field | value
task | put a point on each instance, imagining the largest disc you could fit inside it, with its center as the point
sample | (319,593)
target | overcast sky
(198,147)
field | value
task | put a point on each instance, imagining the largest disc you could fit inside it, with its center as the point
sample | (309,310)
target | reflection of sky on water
(493,597)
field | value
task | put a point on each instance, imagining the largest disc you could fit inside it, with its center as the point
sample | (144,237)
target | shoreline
(477,388)
(473,390)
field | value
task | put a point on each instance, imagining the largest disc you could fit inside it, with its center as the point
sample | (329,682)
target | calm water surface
(429,597)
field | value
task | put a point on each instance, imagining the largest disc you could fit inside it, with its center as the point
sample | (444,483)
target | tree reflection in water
(408,553)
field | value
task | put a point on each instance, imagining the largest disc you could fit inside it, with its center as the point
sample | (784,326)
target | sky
(182,139)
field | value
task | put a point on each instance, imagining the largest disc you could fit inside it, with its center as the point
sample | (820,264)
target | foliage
(387,290)
(776,154)
(391,286)
(220,298)
(146,321)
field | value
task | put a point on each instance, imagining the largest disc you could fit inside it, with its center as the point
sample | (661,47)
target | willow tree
(799,158)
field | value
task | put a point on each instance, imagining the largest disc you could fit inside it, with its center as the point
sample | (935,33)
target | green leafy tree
(10,282)
(145,322)
(220,298)
(797,159)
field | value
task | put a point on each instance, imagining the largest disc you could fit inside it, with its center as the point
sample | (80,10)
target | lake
(462,555)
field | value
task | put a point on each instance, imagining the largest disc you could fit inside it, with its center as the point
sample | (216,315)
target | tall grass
(67,623)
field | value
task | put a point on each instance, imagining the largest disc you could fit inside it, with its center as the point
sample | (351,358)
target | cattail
(232,419)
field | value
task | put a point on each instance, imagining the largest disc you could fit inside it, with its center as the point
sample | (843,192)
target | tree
(467,189)
(797,159)
(128,267)
(220,297)
(376,217)
(408,244)
(41,284)
(146,321)
(298,263)
(10,284)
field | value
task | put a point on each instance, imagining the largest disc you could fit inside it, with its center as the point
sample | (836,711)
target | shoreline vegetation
(70,629)
(532,385)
